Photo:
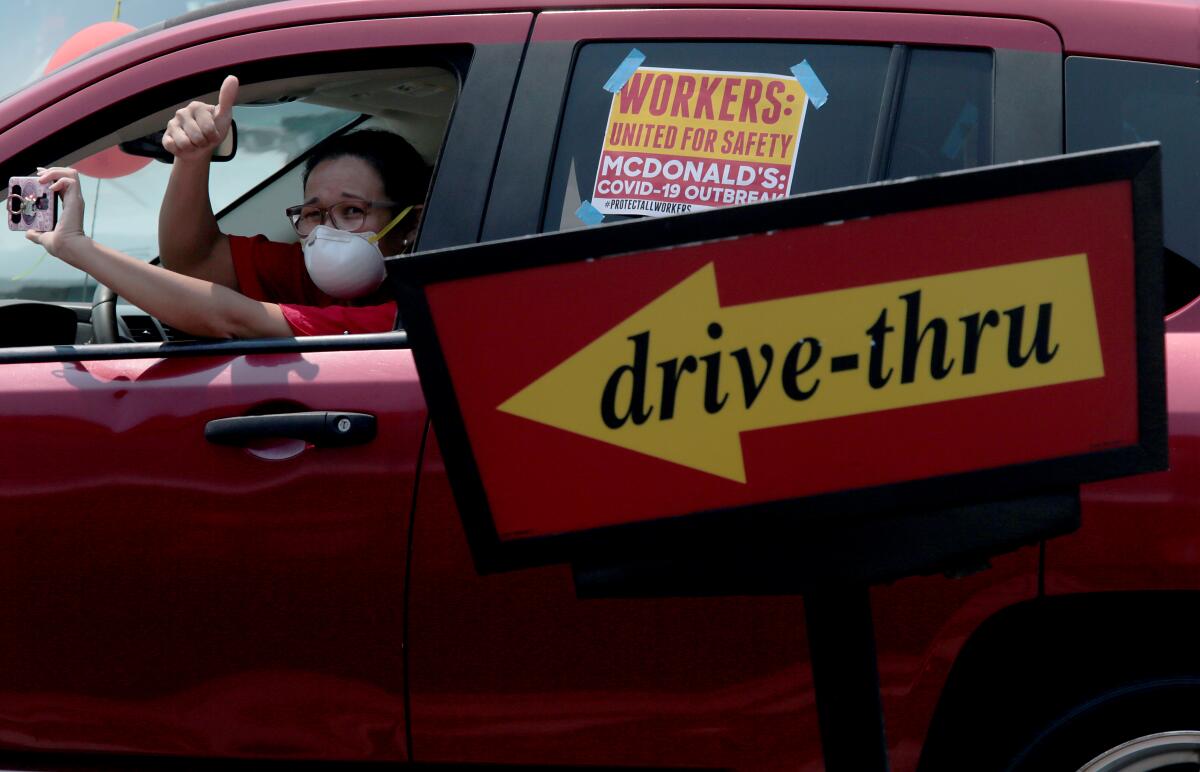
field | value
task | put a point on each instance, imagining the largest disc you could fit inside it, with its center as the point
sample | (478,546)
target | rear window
(1111,102)
(873,112)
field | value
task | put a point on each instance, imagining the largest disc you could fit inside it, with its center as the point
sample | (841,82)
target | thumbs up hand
(197,129)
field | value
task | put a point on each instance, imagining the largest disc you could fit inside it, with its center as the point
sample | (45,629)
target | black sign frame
(775,521)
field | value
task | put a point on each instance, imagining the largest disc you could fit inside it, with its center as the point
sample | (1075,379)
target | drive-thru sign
(682,378)
(974,336)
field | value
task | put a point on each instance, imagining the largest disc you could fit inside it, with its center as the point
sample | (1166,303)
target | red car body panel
(512,668)
(243,648)
(1156,30)
(1140,532)
(210,600)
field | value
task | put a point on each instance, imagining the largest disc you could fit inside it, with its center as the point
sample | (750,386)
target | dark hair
(404,173)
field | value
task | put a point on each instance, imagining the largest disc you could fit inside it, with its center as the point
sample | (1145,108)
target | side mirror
(150,146)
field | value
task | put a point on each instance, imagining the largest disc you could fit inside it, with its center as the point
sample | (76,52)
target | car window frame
(487,48)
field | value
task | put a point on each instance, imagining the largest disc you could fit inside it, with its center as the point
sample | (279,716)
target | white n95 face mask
(345,264)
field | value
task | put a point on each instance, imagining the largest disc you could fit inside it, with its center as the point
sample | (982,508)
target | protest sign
(681,140)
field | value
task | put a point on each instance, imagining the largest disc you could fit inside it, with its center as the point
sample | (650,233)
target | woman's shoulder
(271,271)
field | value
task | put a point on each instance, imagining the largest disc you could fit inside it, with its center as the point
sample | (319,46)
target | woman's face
(347,178)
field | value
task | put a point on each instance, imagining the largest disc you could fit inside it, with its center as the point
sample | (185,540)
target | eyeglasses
(344,215)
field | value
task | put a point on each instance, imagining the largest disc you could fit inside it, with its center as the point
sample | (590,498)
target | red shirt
(275,273)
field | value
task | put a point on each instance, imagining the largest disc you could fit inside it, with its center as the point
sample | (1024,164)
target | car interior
(278,124)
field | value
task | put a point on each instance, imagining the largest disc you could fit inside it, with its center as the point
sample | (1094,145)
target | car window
(122,210)
(945,117)
(854,129)
(1112,102)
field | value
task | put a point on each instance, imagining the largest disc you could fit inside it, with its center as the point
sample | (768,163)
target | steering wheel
(104,316)
(104,313)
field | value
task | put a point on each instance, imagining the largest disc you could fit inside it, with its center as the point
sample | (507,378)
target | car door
(517,668)
(166,594)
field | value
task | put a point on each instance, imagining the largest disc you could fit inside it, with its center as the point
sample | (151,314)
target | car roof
(1165,31)
(1152,30)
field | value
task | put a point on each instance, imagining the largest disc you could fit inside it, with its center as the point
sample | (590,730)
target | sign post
(841,644)
(806,395)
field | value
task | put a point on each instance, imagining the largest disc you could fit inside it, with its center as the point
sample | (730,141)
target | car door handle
(321,428)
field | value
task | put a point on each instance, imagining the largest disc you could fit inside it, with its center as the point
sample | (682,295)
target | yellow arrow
(681,378)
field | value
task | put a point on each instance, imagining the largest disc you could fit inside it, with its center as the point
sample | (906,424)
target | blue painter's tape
(954,141)
(1130,132)
(624,71)
(967,118)
(804,74)
(589,214)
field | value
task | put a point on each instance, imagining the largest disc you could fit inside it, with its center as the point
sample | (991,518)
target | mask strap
(389,226)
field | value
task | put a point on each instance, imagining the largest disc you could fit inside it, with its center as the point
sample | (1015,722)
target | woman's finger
(56,173)
(208,127)
(226,99)
(59,185)
(179,138)
(68,189)
(191,127)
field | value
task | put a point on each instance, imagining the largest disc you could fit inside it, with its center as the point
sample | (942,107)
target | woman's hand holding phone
(64,182)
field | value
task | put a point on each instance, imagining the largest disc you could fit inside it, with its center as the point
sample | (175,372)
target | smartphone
(31,205)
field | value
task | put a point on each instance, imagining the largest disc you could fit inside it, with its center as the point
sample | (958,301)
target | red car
(168,598)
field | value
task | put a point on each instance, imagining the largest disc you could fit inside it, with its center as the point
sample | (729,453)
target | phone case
(31,205)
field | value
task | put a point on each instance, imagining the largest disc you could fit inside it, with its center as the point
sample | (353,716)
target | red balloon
(87,39)
(110,162)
